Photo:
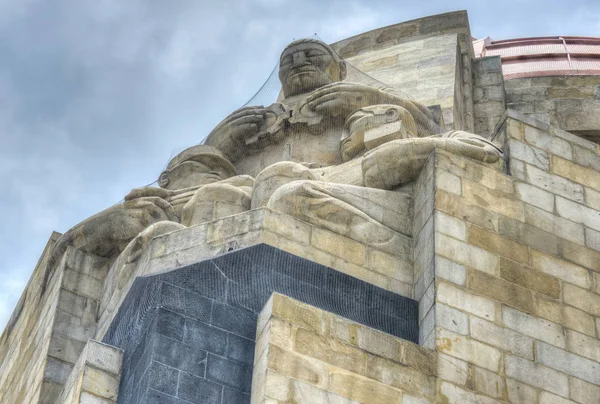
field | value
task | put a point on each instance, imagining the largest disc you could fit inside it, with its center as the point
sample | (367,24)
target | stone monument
(347,244)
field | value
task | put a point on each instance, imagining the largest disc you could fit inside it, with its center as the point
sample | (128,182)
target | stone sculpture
(316,111)
(308,121)
(198,185)
(320,120)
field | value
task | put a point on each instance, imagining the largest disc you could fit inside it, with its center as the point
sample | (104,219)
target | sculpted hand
(341,99)
(243,123)
(111,229)
(147,192)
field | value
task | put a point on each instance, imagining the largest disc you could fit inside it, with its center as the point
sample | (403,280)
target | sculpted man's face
(190,174)
(305,67)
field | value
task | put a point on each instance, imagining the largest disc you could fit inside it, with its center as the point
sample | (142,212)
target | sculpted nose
(299,59)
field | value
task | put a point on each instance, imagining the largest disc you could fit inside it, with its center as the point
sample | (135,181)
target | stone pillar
(95,377)
(308,355)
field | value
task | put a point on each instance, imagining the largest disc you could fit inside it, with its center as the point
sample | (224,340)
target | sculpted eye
(286,60)
(314,53)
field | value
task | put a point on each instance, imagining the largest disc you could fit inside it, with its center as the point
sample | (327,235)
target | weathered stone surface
(583,392)
(465,301)
(496,244)
(568,363)
(582,299)
(554,184)
(498,289)
(452,369)
(535,196)
(502,338)
(560,269)
(451,319)
(534,327)
(459,207)
(579,254)
(582,175)
(520,393)
(530,279)
(534,374)
(466,254)
(468,350)
(450,226)
(553,224)
(450,271)
(493,200)
(489,383)
(529,154)
(545,141)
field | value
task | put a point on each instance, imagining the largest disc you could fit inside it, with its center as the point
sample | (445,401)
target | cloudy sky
(96,95)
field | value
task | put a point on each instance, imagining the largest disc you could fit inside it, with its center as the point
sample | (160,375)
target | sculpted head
(197,165)
(384,122)
(308,64)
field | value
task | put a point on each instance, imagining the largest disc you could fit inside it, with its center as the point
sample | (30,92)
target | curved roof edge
(543,56)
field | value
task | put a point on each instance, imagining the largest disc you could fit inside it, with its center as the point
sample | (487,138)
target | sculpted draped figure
(198,185)
(330,151)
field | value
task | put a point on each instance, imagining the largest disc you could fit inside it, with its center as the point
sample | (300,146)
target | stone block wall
(200,360)
(95,377)
(489,101)
(570,103)
(25,341)
(49,331)
(516,267)
(429,59)
(75,319)
(424,69)
(307,355)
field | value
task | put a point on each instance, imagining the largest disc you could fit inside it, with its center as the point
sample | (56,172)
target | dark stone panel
(157,397)
(236,320)
(203,278)
(201,391)
(179,356)
(200,321)
(229,373)
(240,350)
(170,324)
(185,302)
(205,337)
(235,397)
(162,378)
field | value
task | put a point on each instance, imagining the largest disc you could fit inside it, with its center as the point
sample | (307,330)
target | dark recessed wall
(188,335)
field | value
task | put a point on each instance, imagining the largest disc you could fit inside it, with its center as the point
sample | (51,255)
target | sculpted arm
(110,230)
(342,99)
(400,161)
(229,135)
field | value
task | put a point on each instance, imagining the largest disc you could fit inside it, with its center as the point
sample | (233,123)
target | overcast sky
(95,95)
